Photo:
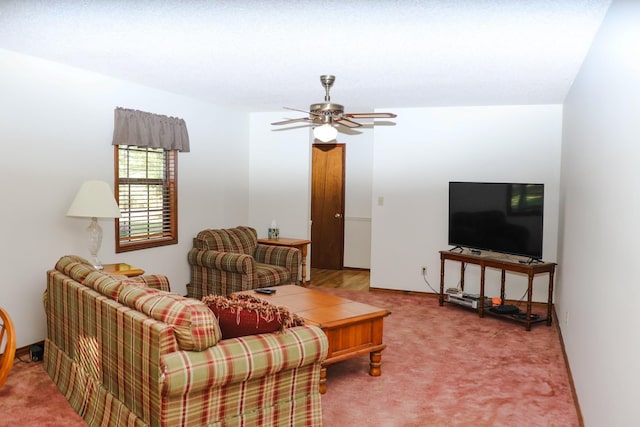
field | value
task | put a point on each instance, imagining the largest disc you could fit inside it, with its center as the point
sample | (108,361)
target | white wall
(56,124)
(358,187)
(413,164)
(280,176)
(410,165)
(598,293)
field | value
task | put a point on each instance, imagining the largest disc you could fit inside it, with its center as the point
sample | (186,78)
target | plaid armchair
(231,260)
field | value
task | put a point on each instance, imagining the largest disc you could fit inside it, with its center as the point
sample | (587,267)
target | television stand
(530,269)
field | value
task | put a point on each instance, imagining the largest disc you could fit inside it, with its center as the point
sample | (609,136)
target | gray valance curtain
(133,127)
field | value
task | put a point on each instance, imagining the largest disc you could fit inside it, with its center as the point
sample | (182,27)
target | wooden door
(327,206)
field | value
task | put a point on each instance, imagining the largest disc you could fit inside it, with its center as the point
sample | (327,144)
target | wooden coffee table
(352,328)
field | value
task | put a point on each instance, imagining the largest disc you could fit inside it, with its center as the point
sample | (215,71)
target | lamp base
(97,264)
(95,241)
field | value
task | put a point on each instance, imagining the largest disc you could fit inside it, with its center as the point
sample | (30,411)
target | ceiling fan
(325,115)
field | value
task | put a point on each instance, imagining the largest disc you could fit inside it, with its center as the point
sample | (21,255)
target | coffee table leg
(375,358)
(323,380)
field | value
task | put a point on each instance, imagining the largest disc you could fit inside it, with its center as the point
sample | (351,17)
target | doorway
(327,206)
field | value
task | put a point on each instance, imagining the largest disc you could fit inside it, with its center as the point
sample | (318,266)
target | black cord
(424,277)
(464,267)
(522,297)
(20,359)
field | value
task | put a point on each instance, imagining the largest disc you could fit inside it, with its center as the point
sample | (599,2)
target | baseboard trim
(24,351)
(566,363)
(403,292)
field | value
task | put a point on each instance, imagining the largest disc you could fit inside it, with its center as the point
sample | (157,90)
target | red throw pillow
(241,315)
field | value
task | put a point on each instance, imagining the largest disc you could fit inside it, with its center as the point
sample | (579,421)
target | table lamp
(94,200)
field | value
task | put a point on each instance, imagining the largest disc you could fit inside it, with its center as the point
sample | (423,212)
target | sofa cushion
(196,328)
(107,284)
(241,315)
(156,281)
(241,240)
(271,275)
(75,267)
(67,259)
(212,240)
(245,239)
(111,284)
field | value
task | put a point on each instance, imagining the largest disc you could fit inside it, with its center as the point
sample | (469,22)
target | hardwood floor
(348,278)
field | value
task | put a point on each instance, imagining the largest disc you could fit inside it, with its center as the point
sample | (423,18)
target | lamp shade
(94,200)
(325,133)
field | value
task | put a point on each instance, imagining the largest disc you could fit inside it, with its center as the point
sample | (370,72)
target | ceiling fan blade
(311,113)
(346,122)
(288,121)
(378,123)
(306,125)
(371,115)
(348,131)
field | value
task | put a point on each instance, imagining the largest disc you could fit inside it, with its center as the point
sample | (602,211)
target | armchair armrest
(226,261)
(241,359)
(278,255)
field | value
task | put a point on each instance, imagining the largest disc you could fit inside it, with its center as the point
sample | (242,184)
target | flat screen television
(498,217)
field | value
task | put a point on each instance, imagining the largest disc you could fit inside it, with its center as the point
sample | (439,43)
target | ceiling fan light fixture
(325,133)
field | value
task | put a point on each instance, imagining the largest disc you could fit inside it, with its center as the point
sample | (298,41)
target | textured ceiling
(263,55)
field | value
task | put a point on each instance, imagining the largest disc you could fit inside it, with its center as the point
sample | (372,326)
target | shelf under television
(505,265)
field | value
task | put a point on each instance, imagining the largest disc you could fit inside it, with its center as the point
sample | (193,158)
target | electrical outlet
(424,270)
(566,318)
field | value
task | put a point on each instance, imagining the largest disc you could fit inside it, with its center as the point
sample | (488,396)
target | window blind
(147,196)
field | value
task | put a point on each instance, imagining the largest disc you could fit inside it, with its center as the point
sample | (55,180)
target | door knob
(338,215)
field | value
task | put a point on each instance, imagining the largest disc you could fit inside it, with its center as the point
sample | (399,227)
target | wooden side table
(122,269)
(300,244)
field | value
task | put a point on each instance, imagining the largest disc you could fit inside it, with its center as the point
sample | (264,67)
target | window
(147,193)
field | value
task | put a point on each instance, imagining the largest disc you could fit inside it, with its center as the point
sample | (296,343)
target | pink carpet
(30,398)
(443,366)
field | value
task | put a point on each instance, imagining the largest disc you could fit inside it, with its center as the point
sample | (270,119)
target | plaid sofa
(128,352)
(231,260)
